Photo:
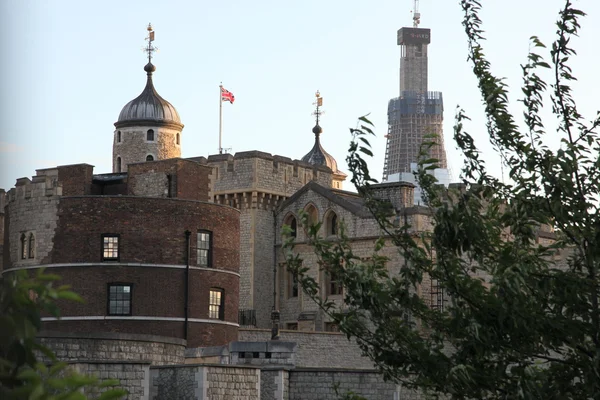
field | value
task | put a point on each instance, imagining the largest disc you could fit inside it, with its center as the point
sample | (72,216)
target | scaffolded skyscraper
(417,112)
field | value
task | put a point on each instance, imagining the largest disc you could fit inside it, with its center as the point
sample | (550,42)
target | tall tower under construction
(417,112)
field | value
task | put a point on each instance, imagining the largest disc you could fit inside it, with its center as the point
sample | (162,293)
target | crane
(416,15)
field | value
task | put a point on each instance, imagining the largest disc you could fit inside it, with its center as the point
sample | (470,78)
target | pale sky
(69,66)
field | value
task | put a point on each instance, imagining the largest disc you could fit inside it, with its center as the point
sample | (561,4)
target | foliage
(521,318)
(23,300)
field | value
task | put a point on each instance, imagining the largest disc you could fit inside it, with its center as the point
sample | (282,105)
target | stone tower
(416,112)
(149,127)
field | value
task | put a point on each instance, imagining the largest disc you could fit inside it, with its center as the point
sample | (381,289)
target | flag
(226,95)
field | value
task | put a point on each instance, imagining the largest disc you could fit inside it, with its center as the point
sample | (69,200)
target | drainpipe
(187,283)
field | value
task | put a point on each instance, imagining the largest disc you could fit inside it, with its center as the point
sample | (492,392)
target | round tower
(149,127)
(318,156)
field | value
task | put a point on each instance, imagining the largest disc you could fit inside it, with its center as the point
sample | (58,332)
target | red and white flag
(226,95)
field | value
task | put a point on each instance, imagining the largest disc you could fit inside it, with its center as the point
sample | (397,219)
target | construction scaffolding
(412,117)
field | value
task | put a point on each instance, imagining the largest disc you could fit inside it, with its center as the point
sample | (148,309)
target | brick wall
(76,180)
(174,177)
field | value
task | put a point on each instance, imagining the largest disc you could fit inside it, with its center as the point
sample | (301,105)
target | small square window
(204,249)
(110,247)
(331,327)
(291,326)
(119,299)
(216,308)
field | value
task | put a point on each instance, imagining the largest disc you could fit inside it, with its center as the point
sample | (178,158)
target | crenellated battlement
(45,183)
(254,179)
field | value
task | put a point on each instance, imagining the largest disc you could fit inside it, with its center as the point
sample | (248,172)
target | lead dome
(149,107)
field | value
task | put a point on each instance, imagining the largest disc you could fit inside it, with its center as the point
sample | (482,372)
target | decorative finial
(318,112)
(150,49)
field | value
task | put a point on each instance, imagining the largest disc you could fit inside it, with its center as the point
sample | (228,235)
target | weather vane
(150,49)
(318,103)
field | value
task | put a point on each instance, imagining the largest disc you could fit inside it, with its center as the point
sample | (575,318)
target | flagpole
(220,116)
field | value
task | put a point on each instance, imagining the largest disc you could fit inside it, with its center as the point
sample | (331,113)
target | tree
(23,375)
(522,319)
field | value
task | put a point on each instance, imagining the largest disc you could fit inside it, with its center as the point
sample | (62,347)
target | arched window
(291,222)
(149,157)
(177,138)
(118,136)
(150,135)
(31,245)
(331,223)
(313,215)
(23,246)
(118,164)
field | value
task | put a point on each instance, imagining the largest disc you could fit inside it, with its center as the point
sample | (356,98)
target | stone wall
(318,384)
(203,382)
(133,377)
(31,209)
(315,349)
(113,347)
(133,147)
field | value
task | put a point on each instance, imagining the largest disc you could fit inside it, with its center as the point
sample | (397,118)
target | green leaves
(516,265)
(23,299)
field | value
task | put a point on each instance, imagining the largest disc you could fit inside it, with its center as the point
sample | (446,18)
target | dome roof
(318,156)
(149,107)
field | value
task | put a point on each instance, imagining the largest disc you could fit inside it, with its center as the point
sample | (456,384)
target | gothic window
(177,138)
(118,164)
(150,135)
(331,224)
(313,214)
(204,249)
(110,247)
(31,245)
(149,157)
(23,246)
(216,307)
(291,222)
(292,284)
(119,299)
(118,136)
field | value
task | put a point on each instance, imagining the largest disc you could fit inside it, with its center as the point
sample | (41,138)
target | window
(149,157)
(177,138)
(119,299)
(216,307)
(291,326)
(292,284)
(331,327)
(118,164)
(23,246)
(118,136)
(150,135)
(31,245)
(110,247)
(291,222)
(204,249)
(334,286)
(331,224)
(313,215)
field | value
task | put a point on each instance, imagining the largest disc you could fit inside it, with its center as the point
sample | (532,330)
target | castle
(180,262)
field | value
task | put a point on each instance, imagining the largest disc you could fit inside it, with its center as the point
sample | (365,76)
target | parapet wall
(263,172)
(315,349)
